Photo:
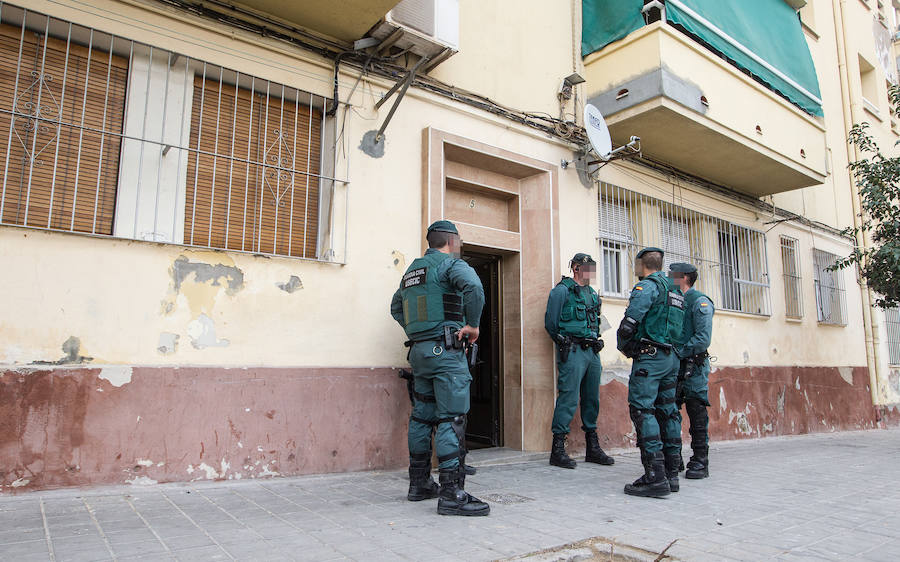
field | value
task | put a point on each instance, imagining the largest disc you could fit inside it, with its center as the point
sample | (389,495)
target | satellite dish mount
(601,142)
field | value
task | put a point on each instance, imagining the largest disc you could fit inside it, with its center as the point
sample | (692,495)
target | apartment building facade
(206,208)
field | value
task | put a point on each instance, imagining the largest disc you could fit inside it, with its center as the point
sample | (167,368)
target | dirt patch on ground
(595,549)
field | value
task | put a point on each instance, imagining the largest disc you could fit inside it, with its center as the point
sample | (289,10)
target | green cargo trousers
(651,403)
(693,392)
(441,381)
(696,386)
(579,377)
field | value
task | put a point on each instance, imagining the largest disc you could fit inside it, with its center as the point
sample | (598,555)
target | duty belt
(650,347)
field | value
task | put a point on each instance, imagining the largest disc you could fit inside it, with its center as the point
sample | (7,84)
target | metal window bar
(892,325)
(793,282)
(111,137)
(731,259)
(831,301)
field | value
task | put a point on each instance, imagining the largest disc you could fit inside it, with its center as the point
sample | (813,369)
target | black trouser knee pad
(699,418)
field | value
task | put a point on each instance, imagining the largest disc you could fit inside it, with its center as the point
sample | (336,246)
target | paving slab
(780,498)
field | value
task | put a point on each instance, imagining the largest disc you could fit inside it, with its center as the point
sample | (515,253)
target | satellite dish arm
(633,147)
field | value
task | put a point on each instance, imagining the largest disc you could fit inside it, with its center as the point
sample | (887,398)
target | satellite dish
(597,131)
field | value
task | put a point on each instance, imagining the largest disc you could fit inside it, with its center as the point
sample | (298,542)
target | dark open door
(483,429)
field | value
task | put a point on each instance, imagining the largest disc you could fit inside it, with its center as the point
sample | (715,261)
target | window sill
(793,320)
(831,324)
(872,109)
(739,314)
(809,30)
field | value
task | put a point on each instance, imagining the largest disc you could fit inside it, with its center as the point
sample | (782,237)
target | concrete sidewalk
(828,496)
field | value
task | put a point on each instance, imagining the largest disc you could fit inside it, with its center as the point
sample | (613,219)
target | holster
(404,374)
(565,345)
(450,339)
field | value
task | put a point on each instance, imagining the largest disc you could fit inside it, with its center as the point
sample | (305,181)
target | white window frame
(831,297)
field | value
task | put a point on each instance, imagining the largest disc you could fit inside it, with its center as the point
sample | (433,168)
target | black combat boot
(653,483)
(421,485)
(593,452)
(453,500)
(558,456)
(672,464)
(698,466)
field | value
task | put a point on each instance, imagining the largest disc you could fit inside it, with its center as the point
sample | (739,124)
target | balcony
(695,111)
(347,20)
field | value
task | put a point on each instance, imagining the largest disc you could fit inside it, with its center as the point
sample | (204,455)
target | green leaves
(877,178)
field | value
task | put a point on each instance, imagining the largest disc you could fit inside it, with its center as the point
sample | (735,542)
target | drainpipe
(851,115)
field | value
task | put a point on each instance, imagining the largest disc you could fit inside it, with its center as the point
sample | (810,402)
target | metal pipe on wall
(850,117)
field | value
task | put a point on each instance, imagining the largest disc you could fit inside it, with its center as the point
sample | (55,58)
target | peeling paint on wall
(203,272)
(141,481)
(894,380)
(199,283)
(846,374)
(779,405)
(202,332)
(168,343)
(740,420)
(613,373)
(71,347)
(116,375)
(293,284)
(399,260)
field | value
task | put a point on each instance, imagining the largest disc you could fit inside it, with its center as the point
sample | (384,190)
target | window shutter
(56,175)
(614,221)
(267,201)
(676,242)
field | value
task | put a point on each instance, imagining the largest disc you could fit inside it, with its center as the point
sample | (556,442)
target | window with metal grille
(269,202)
(616,235)
(790,264)
(831,302)
(109,136)
(892,325)
(63,105)
(731,259)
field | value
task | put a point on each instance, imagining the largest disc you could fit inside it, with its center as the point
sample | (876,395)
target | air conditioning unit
(427,28)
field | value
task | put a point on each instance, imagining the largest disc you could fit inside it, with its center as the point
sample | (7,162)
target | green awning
(605,21)
(763,37)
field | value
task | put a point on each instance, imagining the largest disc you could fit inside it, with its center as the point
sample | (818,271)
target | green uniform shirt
(557,301)
(459,275)
(643,295)
(697,330)
(660,317)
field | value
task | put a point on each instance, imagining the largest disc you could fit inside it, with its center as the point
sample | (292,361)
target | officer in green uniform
(439,306)
(693,376)
(647,334)
(572,320)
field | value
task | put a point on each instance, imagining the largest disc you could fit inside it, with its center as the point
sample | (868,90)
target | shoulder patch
(638,288)
(704,304)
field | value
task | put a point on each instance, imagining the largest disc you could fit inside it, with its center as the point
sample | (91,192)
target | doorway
(484,426)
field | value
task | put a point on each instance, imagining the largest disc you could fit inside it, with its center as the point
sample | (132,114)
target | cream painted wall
(513,51)
(118,297)
(741,339)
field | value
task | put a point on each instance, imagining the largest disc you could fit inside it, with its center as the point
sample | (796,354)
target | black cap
(648,250)
(681,267)
(582,258)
